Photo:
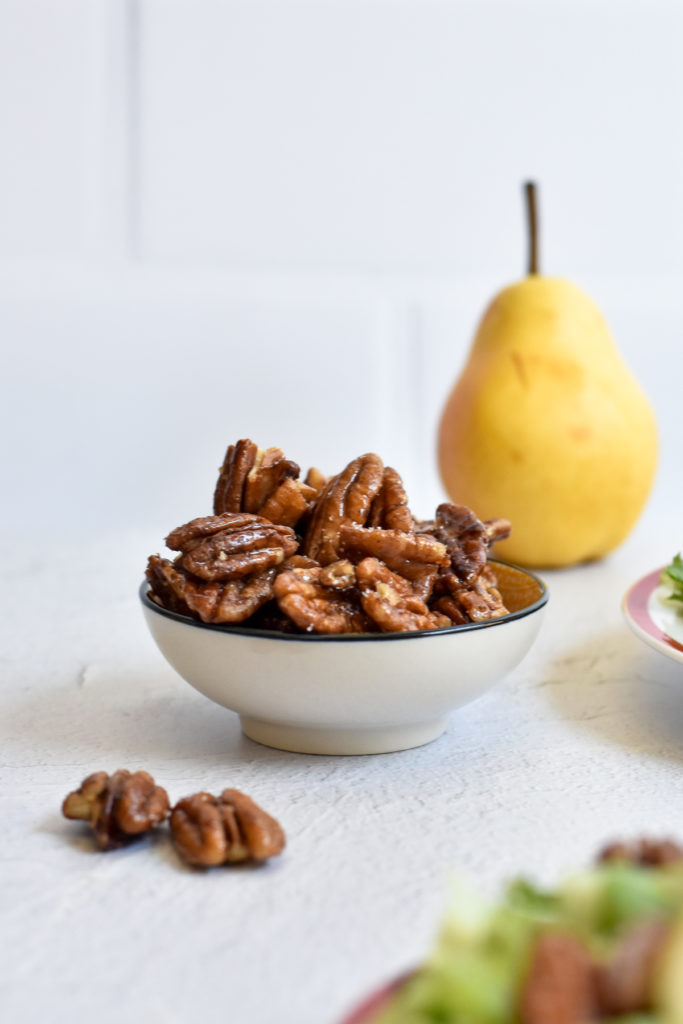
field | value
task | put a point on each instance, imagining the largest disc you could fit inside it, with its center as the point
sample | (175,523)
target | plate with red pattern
(654,617)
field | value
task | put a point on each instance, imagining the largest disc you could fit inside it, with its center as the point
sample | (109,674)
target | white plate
(657,621)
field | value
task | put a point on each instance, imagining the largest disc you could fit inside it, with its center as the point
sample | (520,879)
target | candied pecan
(393,547)
(479,600)
(466,539)
(250,476)
(316,607)
(229,829)
(339,575)
(118,807)
(559,987)
(449,606)
(287,504)
(626,982)
(497,529)
(166,585)
(346,498)
(219,602)
(390,601)
(239,460)
(390,507)
(645,852)
(268,473)
(315,479)
(243,545)
(230,601)
(189,535)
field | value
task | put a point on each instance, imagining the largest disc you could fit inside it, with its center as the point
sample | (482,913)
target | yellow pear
(547,427)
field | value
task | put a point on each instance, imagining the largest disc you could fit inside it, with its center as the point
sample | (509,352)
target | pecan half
(559,987)
(166,585)
(390,508)
(288,503)
(249,479)
(316,599)
(346,498)
(229,829)
(218,601)
(466,540)
(242,545)
(478,601)
(390,601)
(393,547)
(239,460)
(118,807)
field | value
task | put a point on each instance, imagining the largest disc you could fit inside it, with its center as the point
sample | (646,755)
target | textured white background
(283,218)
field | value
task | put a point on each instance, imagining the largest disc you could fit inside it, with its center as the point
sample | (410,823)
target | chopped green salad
(672,577)
(605,946)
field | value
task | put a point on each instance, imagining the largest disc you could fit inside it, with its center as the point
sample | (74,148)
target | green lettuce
(672,577)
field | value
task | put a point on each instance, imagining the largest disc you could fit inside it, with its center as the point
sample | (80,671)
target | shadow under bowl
(352,694)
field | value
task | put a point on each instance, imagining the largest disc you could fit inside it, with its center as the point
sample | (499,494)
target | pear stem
(532,221)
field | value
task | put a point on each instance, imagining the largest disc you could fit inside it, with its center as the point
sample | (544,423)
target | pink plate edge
(378,1001)
(636,609)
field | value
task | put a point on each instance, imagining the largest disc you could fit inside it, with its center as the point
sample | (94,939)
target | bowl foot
(302,739)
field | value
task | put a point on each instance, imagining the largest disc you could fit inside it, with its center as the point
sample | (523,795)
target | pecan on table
(645,852)
(319,599)
(390,508)
(345,498)
(229,829)
(476,601)
(218,548)
(390,601)
(118,807)
(560,984)
(219,601)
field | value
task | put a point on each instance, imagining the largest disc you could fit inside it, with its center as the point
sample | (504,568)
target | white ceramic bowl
(354,694)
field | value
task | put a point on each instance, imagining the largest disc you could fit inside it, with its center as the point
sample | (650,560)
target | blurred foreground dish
(606,945)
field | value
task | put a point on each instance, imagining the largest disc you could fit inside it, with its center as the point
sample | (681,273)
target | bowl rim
(274,634)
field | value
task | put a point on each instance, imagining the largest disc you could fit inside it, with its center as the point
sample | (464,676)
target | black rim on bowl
(273,634)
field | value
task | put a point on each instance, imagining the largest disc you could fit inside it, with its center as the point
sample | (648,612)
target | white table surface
(583,742)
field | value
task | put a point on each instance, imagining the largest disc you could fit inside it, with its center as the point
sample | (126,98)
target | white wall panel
(118,403)
(373,135)
(50,86)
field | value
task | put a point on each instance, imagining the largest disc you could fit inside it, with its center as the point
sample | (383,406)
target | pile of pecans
(319,555)
(206,830)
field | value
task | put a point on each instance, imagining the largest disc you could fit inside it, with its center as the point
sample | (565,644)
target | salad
(604,946)
(672,578)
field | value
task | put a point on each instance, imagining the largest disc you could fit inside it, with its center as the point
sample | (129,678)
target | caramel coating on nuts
(245,561)
(390,508)
(393,547)
(208,831)
(254,480)
(477,601)
(117,807)
(244,545)
(344,499)
(390,601)
(316,606)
